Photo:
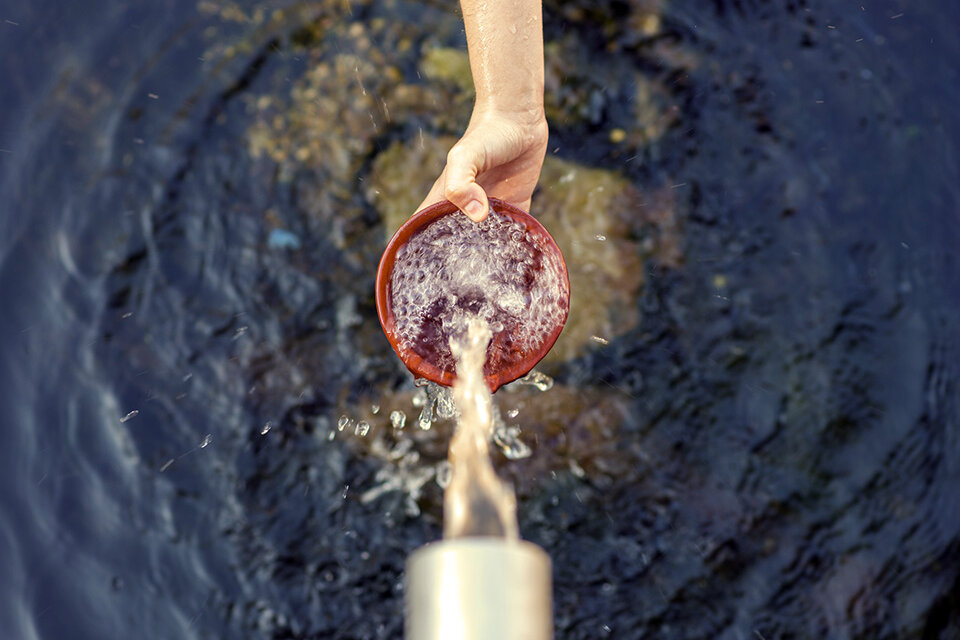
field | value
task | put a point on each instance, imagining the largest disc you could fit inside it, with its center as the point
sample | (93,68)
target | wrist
(523,112)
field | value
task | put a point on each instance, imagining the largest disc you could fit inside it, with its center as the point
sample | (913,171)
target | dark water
(770,450)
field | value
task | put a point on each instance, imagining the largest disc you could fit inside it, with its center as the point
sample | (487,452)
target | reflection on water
(753,430)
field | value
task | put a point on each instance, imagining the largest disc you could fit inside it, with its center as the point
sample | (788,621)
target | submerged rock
(449,65)
(401,177)
(588,211)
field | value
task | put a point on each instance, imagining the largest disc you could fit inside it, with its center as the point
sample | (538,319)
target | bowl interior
(422,361)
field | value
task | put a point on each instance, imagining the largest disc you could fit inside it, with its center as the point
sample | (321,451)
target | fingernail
(474,209)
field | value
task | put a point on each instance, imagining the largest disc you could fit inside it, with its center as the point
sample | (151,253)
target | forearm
(505,42)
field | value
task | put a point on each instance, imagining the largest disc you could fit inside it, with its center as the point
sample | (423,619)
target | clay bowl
(511,362)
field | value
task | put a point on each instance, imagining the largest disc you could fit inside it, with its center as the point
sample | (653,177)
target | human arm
(501,152)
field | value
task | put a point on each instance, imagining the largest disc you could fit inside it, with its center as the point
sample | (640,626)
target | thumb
(461,188)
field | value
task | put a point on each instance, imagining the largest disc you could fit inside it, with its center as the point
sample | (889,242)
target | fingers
(495,155)
(462,190)
(460,185)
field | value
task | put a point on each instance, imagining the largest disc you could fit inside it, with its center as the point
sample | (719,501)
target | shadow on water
(753,433)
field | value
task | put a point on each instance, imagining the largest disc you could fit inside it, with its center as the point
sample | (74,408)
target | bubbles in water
(455,269)
(398,419)
(513,413)
(130,416)
(375,409)
(207,439)
(362,428)
(343,423)
(265,429)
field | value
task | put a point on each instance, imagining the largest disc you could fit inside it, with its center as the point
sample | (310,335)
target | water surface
(762,442)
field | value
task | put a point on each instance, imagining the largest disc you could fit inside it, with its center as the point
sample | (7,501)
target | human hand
(500,155)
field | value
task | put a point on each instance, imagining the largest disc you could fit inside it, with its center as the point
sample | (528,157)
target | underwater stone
(402,176)
(448,64)
(588,211)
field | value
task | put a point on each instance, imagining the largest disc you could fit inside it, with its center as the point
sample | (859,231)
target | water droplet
(398,419)
(266,428)
(536,379)
(576,469)
(444,474)
(425,421)
(207,439)
(420,397)
(362,428)
(445,406)
(507,438)
(401,451)
(130,416)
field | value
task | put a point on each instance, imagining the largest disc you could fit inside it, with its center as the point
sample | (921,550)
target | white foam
(495,270)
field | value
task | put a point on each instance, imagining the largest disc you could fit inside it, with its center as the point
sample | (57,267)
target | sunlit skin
(501,153)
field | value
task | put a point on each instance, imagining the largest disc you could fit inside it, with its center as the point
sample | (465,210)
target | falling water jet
(481,581)
(476,503)
(475,305)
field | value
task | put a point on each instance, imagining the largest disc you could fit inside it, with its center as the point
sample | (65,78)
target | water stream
(476,503)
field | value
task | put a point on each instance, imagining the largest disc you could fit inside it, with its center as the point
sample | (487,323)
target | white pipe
(479,589)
